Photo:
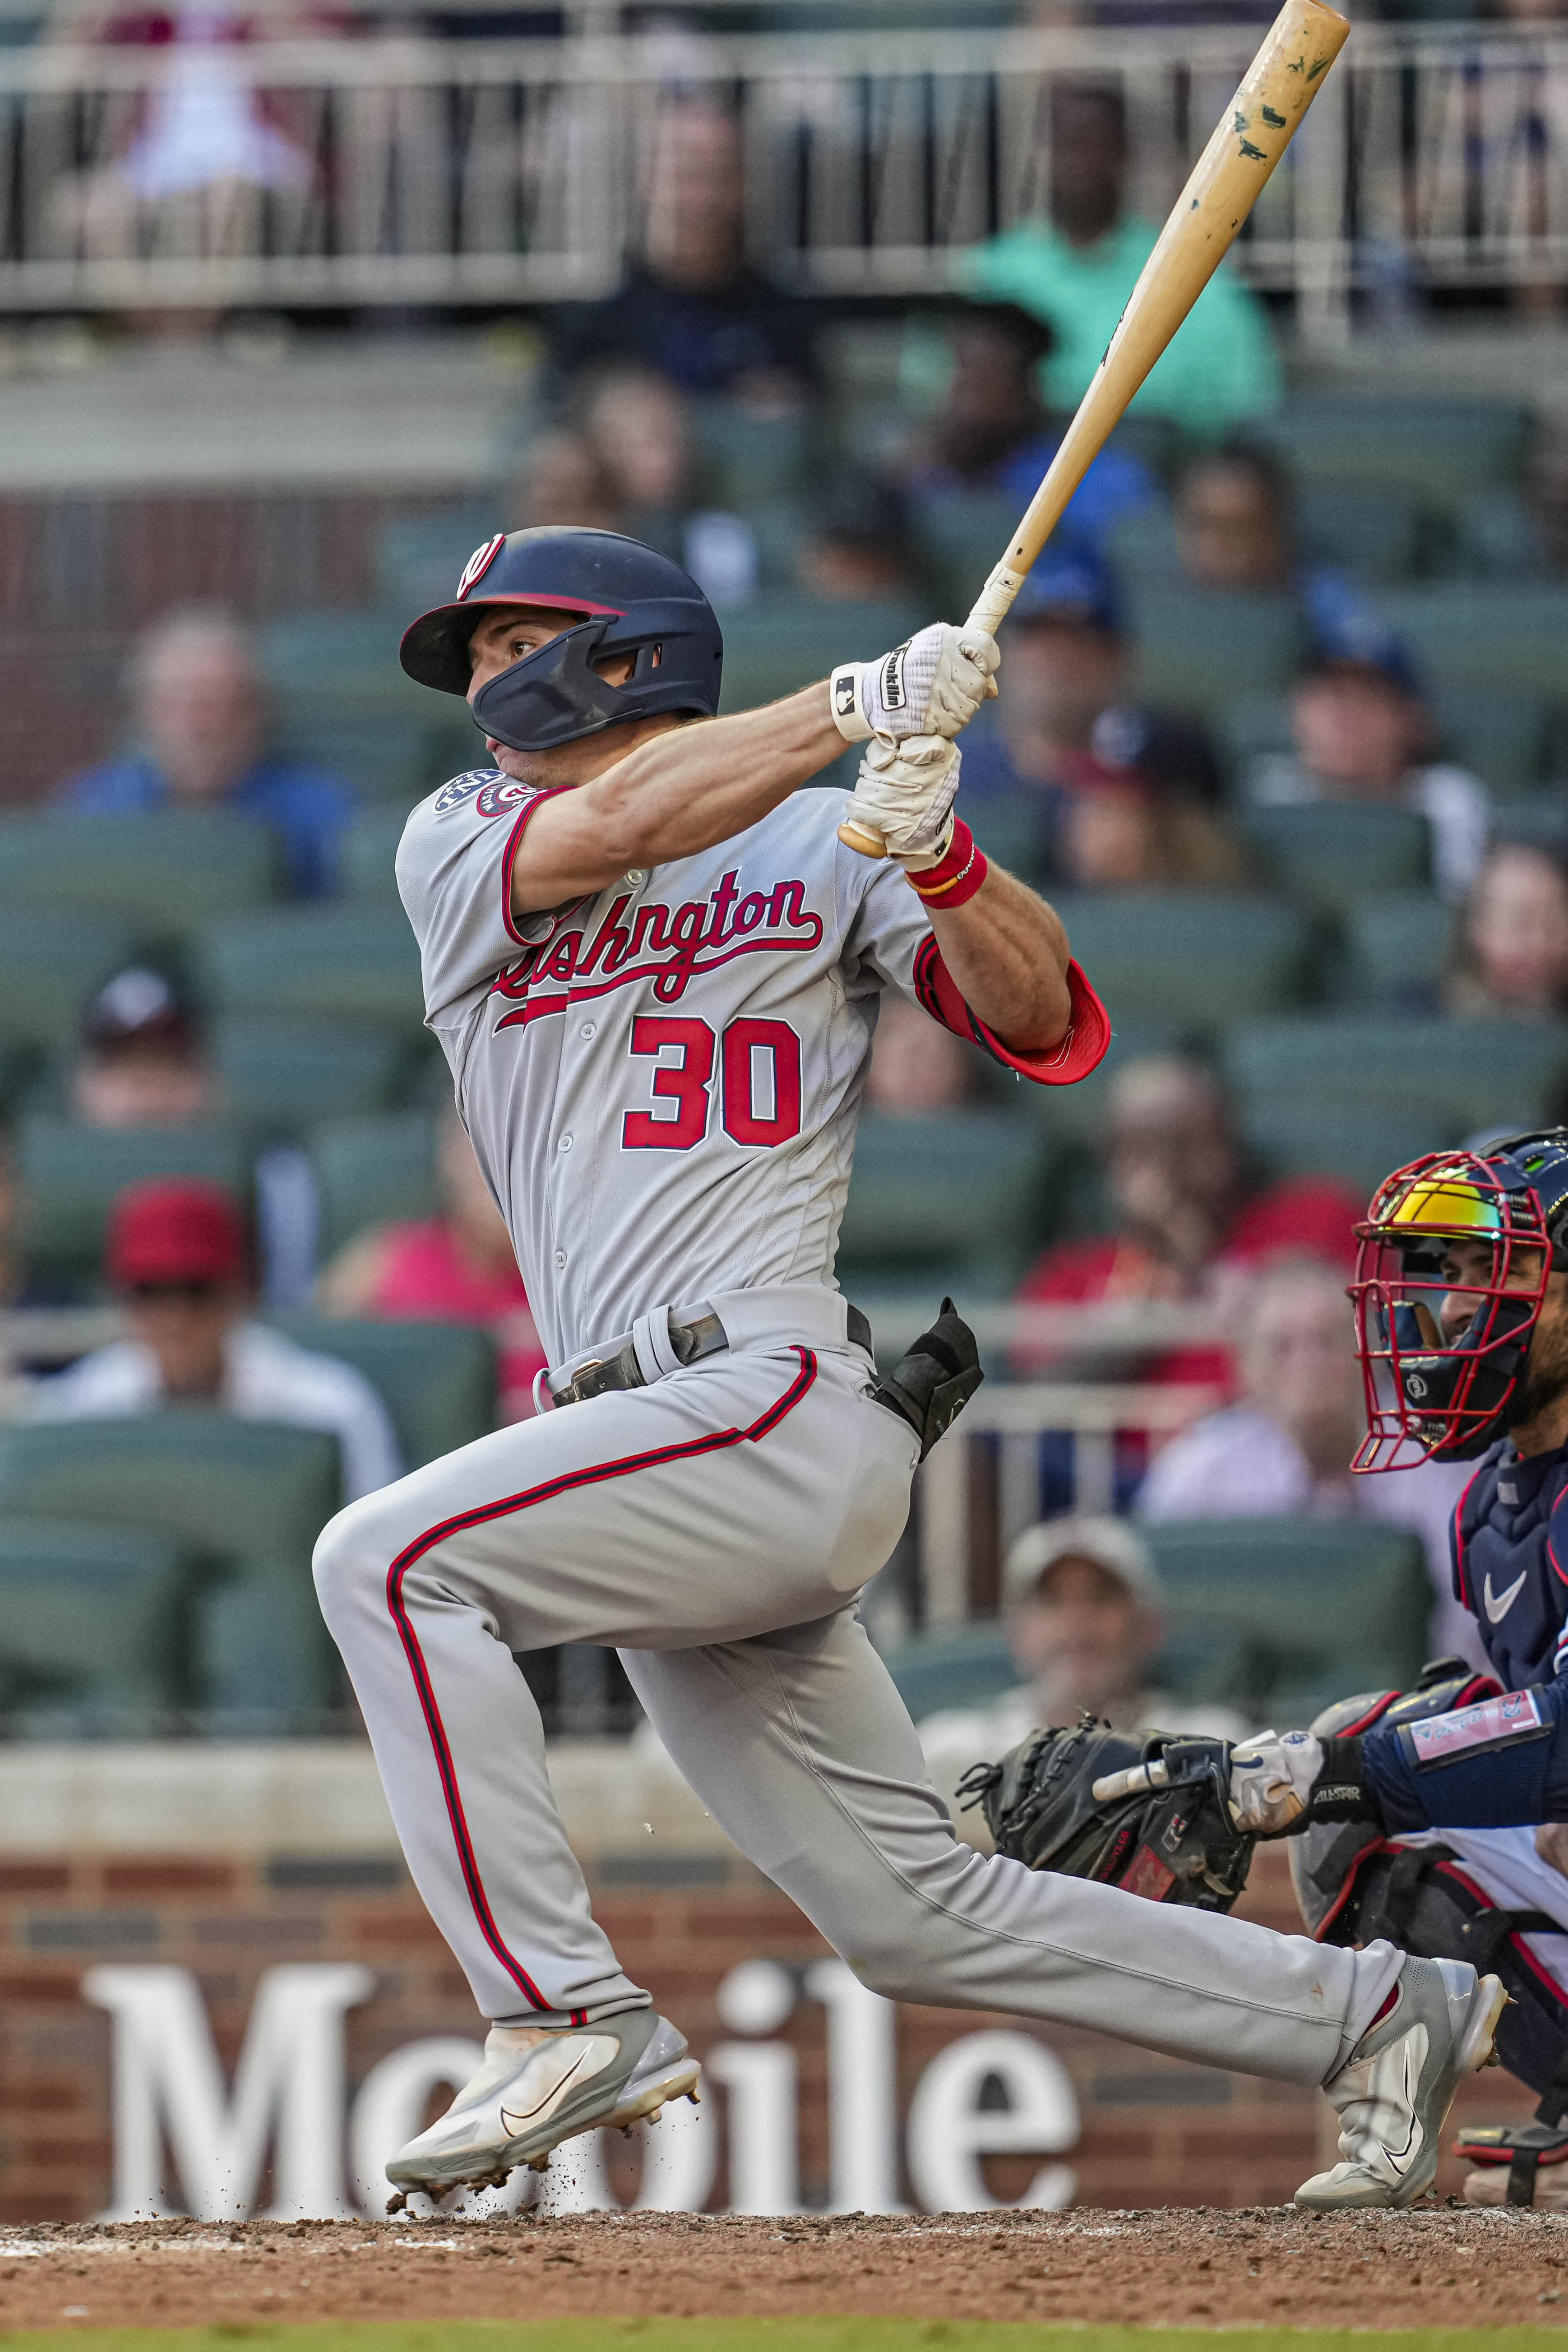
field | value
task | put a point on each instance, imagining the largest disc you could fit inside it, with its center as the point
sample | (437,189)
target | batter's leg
(799,1745)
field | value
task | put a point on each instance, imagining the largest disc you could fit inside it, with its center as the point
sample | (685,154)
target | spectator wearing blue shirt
(991,434)
(199,728)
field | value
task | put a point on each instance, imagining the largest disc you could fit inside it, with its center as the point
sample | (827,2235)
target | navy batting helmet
(1455,1257)
(633,602)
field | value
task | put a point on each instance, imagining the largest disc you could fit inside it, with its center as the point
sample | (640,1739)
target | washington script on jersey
(667,946)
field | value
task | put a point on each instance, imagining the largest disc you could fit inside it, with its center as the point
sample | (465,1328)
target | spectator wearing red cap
(178,1260)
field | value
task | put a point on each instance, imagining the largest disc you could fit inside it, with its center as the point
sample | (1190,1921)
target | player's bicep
(562,854)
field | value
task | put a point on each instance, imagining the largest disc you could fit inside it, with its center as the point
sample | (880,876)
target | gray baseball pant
(715,1529)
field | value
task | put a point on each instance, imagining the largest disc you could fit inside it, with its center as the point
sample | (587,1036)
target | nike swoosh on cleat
(1402,2159)
(1499,1603)
(513,2121)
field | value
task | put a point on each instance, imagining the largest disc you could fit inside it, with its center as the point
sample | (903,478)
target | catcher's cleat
(1398,2083)
(539,2086)
(1516,2164)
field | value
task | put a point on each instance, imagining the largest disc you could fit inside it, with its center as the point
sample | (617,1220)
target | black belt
(705,1336)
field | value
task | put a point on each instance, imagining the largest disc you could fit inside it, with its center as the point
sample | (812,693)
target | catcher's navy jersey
(1509,1549)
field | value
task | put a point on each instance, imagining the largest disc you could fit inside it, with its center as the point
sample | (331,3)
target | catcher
(1430,1818)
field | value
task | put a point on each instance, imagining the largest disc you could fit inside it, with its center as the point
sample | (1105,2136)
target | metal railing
(406,170)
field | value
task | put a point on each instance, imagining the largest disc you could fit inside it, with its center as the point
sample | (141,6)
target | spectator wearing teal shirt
(1076,268)
(200,723)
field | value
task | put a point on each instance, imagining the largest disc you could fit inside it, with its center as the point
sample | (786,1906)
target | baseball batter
(654,971)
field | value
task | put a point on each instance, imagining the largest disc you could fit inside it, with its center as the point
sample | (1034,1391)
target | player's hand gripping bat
(1253,133)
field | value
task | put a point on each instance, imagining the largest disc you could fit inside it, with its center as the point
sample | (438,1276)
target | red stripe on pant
(589,1476)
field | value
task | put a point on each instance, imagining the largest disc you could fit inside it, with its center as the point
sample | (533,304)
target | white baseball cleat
(1398,2083)
(538,2087)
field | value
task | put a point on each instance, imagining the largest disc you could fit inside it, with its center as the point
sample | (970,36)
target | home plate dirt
(1442,2267)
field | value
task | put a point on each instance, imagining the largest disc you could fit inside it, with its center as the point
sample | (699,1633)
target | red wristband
(957,876)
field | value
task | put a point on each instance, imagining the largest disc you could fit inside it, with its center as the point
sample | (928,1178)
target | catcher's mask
(1453,1267)
(627,599)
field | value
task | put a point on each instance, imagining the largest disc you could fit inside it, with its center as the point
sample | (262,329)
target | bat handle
(995,599)
(859,837)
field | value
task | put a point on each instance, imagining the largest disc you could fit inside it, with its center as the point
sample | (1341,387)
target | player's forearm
(1007,954)
(674,796)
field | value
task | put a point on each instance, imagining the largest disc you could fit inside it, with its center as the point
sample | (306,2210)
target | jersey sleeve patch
(1080,1051)
(1494,1723)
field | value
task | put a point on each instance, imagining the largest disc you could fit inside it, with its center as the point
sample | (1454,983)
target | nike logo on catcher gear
(1498,1604)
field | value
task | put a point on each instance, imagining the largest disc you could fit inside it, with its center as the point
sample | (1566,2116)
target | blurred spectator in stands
(1190,1222)
(992,434)
(690,305)
(917,1065)
(1510,951)
(142,1062)
(177,1260)
(639,424)
(1362,731)
(1522,534)
(1065,660)
(562,479)
(858,546)
(1283,1450)
(1084,1617)
(1123,827)
(1236,531)
(456,1266)
(1076,269)
(198,713)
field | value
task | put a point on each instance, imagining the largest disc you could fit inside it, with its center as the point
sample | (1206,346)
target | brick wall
(1155,2132)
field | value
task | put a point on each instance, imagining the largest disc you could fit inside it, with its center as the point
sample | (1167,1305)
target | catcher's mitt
(1174,1844)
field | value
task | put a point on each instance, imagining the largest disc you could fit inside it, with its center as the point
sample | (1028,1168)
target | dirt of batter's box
(1264,2266)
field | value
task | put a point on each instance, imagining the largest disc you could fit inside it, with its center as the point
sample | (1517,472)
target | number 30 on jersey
(759,1083)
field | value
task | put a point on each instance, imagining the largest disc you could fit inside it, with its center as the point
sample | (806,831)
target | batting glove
(932,684)
(904,795)
(1271,1781)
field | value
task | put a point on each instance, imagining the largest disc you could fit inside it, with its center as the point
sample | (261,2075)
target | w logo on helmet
(479,564)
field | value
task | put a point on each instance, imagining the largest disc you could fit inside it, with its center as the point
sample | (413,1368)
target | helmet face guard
(556,696)
(1453,1265)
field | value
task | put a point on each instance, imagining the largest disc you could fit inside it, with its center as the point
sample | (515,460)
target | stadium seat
(370,1171)
(369,856)
(357,963)
(1197,958)
(70,1175)
(1434,449)
(962,537)
(1358,1142)
(777,646)
(1379,535)
(343,702)
(246,1500)
(1324,1608)
(1198,648)
(419,559)
(964,1196)
(50,962)
(437,1381)
(1330,852)
(93,1629)
(1395,941)
(1462,1074)
(963,1667)
(280,1075)
(1495,637)
(160,870)
(1501,736)
(749,459)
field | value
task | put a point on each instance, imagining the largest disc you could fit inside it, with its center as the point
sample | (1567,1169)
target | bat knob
(855,836)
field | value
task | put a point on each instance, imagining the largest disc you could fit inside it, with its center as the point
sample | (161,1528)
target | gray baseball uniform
(661,1084)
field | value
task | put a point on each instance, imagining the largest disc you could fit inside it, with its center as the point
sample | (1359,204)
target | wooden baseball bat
(1227,180)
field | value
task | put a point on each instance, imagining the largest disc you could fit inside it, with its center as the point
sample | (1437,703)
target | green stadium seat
(1494,638)
(50,963)
(751,459)
(1379,535)
(1323,1608)
(356,962)
(93,1629)
(963,1197)
(343,702)
(963,537)
(281,1076)
(160,870)
(419,559)
(1198,957)
(1463,1074)
(777,646)
(246,1500)
(1330,852)
(372,1171)
(1360,1143)
(1501,736)
(70,1175)
(1395,941)
(437,1381)
(1198,648)
(369,856)
(961,1668)
(1433,449)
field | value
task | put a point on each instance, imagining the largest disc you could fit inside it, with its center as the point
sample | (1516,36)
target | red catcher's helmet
(1454,1255)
